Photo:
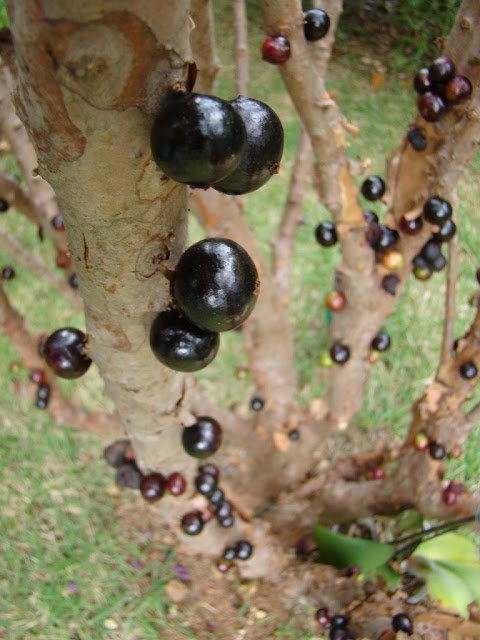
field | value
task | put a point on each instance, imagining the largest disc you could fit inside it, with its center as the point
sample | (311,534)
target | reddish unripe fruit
(456,452)
(322,616)
(378,474)
(335,301)
(437,451)
(373,356)
(458,89)
(176,484)
(192,523)
(421,81)
(422,274)
(223,565)
(431,107)
(276,49)
(38,376)
(340,353)
(392,260)
(63,260)
(152,486)
(421,442)
(390,284)
(410,227)
(211,469)
(449,497)
(57,222)
(441,70)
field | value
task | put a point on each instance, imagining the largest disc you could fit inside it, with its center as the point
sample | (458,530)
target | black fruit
(339,353)
(243,550)
(422,82)
(128,475)
(43,396)
(210,468)
(439,263)
(430,252)
(339,622)
(437,451)
(261,156)
(373,188)
(468,370)
(316,24)
(217,497)
(446,233)
(227,522)
(326,234)
(197,139)
(257,403)
(401,622)
(411,227)
(64,353)
(390,284)
(181,345)
(337,633)
(229,554)
(419,262)
(216,284)
(223,510)
(152,486)
(57,222)
(294,435)
(203,438)
(114,454)
(417,139)
(441,70)
(192,523)
(205,484)
(73,281)
(370,216)
(437,210)
(4,205)
(40,403)
(431,107)
(381,342)
(8,273)
(383,238)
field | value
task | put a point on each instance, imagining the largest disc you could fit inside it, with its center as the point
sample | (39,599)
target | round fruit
(401,622)
(294,435)
(385,237)
(63,259)
(378,474)
(223,510)
(422,273)
(316,24)
(217,497)
(417,139)
(421,442)
(223,565)
(205,484)
(227,522)
(216,284)
(431,107)
(429,252)
(40,403)
(57,222)
(410,227)
(441,70)
(38,376)
(326,234)
(340,353)
(43,391)
(8,273)
(373,188)
(337,633)
(449,497)
(326,360)
(370,216)
(381,342)
(181,345)
(422,82)
(152,486)
(437,451)
(339,622)
(458,89)
(64,353)
(176,484)
(468,370)
(73,281)
(243,550)
(276,49)
(192,523)
(437,210)
(390,284)
(128,475)
(263,151)
(322,616)
(446,233)
(4,206)
(392,260)
(335,301)
(439,263)
(257,403)
(197,139)
(210,468)
(229,554)
(203,438)
(114,454)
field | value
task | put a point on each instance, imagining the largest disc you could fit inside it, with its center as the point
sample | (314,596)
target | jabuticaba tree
(100,87)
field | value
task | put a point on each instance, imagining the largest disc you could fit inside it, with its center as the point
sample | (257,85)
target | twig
(17,197)
(450,296)
(241,47)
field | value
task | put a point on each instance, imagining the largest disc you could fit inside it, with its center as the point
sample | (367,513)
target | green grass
(60,519)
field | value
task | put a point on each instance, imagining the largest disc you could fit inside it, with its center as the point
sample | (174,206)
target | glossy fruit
(229,554)
(326,360)
(384,239)
(114,454)
(340,353)
(205,484)
(8,273)
(421,442)
(181,345)
(370,216)
(243,549)
(223,510)
(43,396)
(446,233)
(449,497)
(468,370)
(335,301)
(257,403)
(437,210)
(392,260)
(316,24)
(373,188)
(339,622)
(326,234)
(429,252)
(192,523)
(40,403)
(276,49)
(203,438)
(294,435)
(152,486)
(458,89)
(401,622)
(422,274)
(437,451)
(216,497)
(422,82)
(197,139)
(176,484)
(381,342)
(73,281)
(210,468)
(65,354)
(4,206)
(441,70)
(439,263)
(227,522)
(57,222)
(417,138)
(128,475)
(322,616)
(390,284)
(431,107)
(216,284)
(410,226)
(261,156)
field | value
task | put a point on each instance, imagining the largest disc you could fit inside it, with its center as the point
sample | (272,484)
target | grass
(61,515)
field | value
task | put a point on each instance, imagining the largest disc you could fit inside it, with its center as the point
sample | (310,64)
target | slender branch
(17,197)
(202,39)
(241,47)
(450,298)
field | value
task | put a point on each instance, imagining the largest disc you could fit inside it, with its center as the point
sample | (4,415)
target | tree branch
(241,47)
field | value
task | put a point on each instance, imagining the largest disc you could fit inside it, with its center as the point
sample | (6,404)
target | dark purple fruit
(197,139)
(422,82)
(326,234)
(339,622)
(468,370)
(385,238)
(261,156)
(43,396)
(370,216)
(373,188)
(203,438)
(229,554)
(192,523)
(441,70)
(57,222)
(431,107)
(419,262)
(243,549)
(205,484)
(227,522)
(216,284)
(446,233)
(4,206)
(223,510)
(114,454)
(439,263)
(316,24)
(417,139)
(437,210)
(381,342)
(217,497)
(390,284)
(437,451)
(339,353)
(40,403)
(257,403)
(276,49)
(73,281)
(210,468)
(8,273)
(294,435)
(65,353)
(152,486)
(337,633)
(411,227)
(181,345)
(401,622)
(176,484)
(128,475)
(429,252)
(322,616)
(458,89)
(38,376)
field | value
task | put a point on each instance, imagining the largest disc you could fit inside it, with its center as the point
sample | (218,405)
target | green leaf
(391,577)
(344,551)
(450,546)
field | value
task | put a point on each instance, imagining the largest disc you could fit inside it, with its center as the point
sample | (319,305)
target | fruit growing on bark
(390,284)
(441,70)
(4,205)
(468,370)
(377,474)
(392,260)
(43,396)
(217,497)
(73,281)
(152,486)
(8,273)
(57,222)
(181,345)
(410,226)
(205,484)
(421,442)
(276,49)
(401,622)
(422,82)
(417,138)
(446,233)
(227,522)
(340,353)
(437,451)
(257,403)
(458,89)
(370,216)
(216,284)
(176,484)
(326,234)
(64,353)
(63,260)
(210,468)
(437,210)
(203,438)
(37,376)
(261,156)
(431,107)
(197,139)
(439,263)
(223,510)
(373,188)
(243,550)
(128,475)
(322,616)
(335,301)
(192,523)
(326,360)
(422,274)
(381,342)
(316,24)
(384,238)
